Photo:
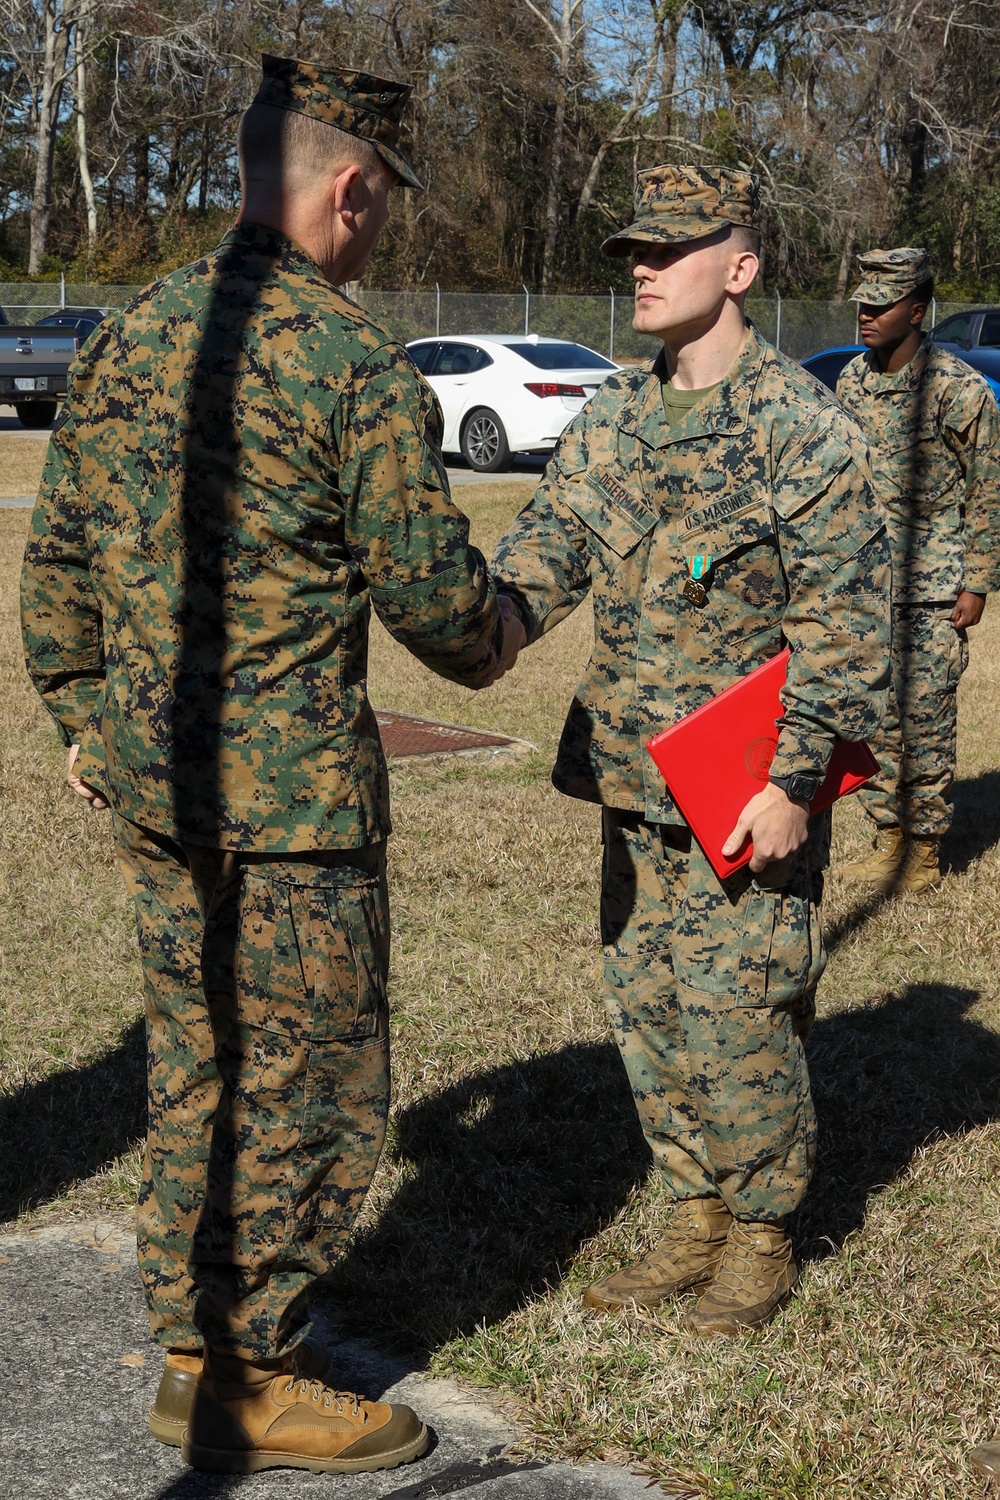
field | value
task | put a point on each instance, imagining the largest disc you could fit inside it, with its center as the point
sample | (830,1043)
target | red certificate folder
(715,759)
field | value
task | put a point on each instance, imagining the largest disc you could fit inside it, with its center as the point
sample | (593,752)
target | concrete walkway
(82,1373)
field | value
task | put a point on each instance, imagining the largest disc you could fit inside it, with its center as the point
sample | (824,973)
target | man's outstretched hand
(514,637)
(777,825)
(97,802)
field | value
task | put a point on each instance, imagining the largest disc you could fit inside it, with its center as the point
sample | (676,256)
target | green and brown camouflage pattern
(934,432)
(359,103)
(711,993)
(761,494)
(675,204)
(933,428)
(917,744)
(768,478)
(244,464)
(268,1071)
(889,275)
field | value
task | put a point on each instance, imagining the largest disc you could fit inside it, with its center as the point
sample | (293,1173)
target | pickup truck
(33,366)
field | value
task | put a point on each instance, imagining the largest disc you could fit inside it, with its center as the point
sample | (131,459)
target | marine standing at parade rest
(245,463)
(934,431)
(717,505)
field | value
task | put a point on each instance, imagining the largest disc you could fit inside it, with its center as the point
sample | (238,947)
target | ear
(742,272)
(918,312)
(344,194)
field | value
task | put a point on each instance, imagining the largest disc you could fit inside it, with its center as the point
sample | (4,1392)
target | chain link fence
(27,301)
(797,327)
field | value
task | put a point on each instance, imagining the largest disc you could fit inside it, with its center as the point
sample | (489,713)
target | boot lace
(737,1264)
(677,1230)
(315,1390)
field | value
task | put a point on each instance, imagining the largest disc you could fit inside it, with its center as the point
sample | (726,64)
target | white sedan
(507,393)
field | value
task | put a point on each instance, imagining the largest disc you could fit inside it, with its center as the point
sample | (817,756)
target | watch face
(803,787)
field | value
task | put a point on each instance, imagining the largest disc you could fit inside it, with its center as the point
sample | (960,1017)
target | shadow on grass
(887,1078)
(70,1124)
(511,1171)
(976,824)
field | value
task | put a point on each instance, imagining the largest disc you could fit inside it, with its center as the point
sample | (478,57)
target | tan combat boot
(168,1415)
(246,1417)
(880,869)
(986,1458)
(757,1275)
(685,1259)
(921,871)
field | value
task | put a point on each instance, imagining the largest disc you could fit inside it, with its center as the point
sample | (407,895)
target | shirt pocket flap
(717,536)
(620,523)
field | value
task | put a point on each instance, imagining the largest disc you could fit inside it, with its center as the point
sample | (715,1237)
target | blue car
(828,363)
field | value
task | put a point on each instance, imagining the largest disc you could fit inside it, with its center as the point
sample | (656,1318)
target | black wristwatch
(801,786)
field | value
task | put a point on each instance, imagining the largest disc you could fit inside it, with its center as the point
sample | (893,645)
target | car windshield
(561,357)
(953,330)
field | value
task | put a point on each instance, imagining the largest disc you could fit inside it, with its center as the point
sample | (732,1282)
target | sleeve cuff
(801,751)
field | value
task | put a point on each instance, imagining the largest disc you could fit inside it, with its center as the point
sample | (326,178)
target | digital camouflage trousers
(711,991)
(916,746)
(268,1077)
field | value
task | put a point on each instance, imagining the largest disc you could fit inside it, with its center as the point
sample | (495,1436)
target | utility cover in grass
(405,737)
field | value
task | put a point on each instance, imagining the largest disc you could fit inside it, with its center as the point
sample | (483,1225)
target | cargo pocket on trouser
(940,654)
(747,1058)
(307,1066)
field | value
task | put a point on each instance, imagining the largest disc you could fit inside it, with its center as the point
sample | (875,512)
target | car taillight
(550,388)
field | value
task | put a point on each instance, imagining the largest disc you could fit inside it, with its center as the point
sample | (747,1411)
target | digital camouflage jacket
(934,433)
(245,462)
(762,493)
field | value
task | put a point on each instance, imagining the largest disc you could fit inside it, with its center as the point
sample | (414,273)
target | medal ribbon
(698,566)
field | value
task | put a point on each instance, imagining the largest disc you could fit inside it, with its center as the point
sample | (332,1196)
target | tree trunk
(844,269)
(958,249)
(80,90)
(668,76)
(563,61)
(53,78)
(204,168)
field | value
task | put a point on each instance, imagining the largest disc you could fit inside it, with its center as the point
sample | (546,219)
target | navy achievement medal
(694,590)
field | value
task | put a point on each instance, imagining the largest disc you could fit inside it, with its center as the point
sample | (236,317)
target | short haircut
(745,238)
(924,292)
(282,145)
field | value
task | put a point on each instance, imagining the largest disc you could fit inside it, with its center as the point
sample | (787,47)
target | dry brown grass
(515,1171)
(21,461)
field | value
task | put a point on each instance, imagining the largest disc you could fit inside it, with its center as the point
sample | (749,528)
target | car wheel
(484,442)
(36,414)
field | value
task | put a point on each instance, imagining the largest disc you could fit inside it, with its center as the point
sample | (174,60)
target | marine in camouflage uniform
(934,432)
(708,543)
(244,465)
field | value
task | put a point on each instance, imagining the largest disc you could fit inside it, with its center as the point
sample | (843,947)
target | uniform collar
(271,244)
(906,379)
(727,411)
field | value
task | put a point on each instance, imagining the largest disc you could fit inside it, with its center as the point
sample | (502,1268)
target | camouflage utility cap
(888,275)
(359,103)
(677,204)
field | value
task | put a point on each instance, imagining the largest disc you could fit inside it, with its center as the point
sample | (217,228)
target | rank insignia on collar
(694,590)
